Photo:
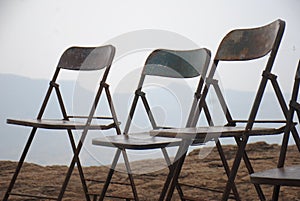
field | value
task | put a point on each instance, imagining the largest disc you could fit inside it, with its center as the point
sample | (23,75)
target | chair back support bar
(171,64)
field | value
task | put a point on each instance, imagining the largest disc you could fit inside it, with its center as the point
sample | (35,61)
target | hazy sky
(35,32)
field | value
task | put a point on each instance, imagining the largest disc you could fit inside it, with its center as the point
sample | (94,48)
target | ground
(204,172)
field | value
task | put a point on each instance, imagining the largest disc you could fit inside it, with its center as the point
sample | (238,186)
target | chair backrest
(176,64)
(83,59)
(247,44)
(171,64)
(87,58)
(243,45)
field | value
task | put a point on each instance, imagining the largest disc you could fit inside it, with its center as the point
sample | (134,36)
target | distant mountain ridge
(20,98)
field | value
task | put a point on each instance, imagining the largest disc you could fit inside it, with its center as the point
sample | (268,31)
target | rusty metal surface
(178,64)
(247,44)
(87,58)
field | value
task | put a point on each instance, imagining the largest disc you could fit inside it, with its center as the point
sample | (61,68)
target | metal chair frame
(164,63)
(242,45)
(76,59)
(284,176)
(256,47)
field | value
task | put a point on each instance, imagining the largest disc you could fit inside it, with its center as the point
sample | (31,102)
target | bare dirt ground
(205,173)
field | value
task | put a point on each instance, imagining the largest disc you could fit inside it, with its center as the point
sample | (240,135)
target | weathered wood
(210,132)
(136,141)
(285,176)
(58,124)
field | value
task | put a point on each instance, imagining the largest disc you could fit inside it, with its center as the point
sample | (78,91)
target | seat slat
(136,141)
(209,132)
(286,176)
(57,124)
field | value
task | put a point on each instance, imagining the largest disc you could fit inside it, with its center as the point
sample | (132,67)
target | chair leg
(80,170)
(94,197)
(20,164)
(175,180)
(275,194)
(168,161)
(168,180)
(235,166)
(176,175)
(251,171)
(296,137)
(71,168)
(110,174)
(226,167)
(171,172)
(176,168)
(83,182)
(129,172)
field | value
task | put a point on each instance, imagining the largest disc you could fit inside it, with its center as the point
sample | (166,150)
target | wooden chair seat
(138,141)
(285,176)
(210,132)
(58,124)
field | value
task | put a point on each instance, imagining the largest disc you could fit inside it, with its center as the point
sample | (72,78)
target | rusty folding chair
(74,59)
(167,64)
(289,175)
(238,45)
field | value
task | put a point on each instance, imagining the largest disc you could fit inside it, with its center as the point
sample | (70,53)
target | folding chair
(162,63)
(74,59)
(238,45)
(290,175)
